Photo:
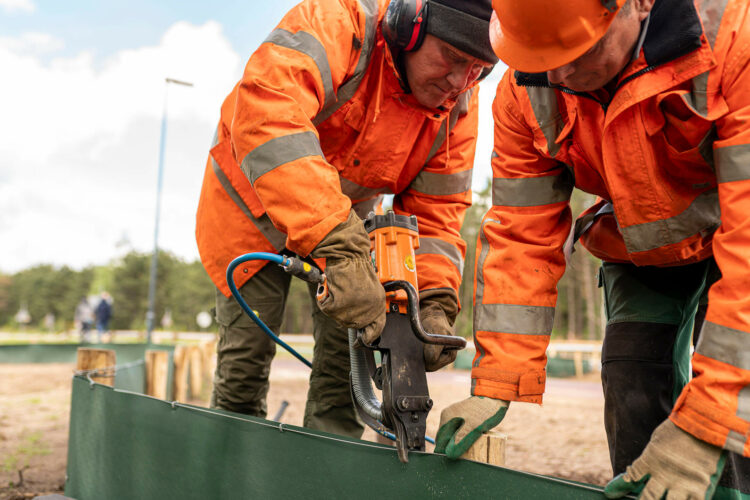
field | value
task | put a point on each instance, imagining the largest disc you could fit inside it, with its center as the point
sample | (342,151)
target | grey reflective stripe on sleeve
(735,441)
(706,146)
(702,216)
(697,98)
(309,45)
(347,89)
(442,184)
(732,163)
(479,297)
(711,12)
(532,191)
(506,318)
(441,247)
(278,151)
(547,114)
(264,224)
(513,318)
(357,192)
(725,344)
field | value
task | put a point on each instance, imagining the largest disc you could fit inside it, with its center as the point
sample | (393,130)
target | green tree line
(183,288)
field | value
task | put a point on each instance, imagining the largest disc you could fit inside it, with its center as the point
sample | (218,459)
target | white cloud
(32,43)
(78,160)
(17,5)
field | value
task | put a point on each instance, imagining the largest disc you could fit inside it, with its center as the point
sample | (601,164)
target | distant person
(49,322)
(103,314)
(84,318)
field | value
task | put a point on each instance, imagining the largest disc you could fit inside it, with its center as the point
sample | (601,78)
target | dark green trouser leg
(329,404)
(651,316)
(244,352)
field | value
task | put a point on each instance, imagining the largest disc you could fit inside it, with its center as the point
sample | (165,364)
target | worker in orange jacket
(644,103)
(343,102)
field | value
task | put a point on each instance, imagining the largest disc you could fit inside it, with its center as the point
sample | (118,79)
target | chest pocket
(682,137)
(340,131)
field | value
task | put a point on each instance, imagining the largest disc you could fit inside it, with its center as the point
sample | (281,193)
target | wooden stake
(196,372)
(156,373)
(208,350)
(98,359)
(578,363)
(179,384)
(489,448)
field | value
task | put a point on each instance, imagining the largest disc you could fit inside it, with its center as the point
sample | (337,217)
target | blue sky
(82,95)
(111,25)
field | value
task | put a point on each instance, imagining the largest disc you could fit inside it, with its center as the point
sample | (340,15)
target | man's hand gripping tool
(401,374)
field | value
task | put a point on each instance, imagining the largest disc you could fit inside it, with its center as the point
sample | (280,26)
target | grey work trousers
(244,355)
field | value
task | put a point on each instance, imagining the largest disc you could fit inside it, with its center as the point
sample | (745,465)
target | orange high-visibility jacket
(671,152)
(319,123)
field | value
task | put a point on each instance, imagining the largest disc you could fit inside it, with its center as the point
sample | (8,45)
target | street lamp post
(160,175)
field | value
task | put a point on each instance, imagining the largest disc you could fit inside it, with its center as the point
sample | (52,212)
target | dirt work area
(563,438)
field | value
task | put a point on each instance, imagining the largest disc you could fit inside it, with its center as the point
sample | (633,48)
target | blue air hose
(271,257)
(299,269)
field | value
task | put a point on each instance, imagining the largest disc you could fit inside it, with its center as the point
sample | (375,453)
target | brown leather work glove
(437,310)
(355,298)
(674,464)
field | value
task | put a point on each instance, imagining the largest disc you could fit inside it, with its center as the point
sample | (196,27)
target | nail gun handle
(449,341)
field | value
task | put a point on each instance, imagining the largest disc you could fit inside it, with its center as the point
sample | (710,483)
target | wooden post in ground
(196,372)
(179,382)
(156,373)
(208,351)
(489,448)
(578,363)
(98,359)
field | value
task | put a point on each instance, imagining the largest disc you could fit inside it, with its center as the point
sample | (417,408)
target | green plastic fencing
(556,366)
(127,445)
(66,353)
(130,369)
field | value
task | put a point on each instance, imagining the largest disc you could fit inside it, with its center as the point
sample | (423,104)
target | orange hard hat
(540,35)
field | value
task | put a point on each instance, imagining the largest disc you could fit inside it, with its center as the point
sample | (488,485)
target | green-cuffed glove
(674,464)
(355,298)
(462,423)
(437,311)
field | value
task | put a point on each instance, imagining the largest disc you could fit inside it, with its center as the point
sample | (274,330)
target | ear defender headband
(405,24)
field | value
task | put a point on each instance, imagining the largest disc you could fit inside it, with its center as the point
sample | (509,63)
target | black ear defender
(405,24)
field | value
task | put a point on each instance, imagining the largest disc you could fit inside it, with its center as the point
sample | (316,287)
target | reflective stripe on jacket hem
(703,214)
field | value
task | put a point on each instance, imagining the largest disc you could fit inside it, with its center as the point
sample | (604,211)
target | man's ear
(643,8)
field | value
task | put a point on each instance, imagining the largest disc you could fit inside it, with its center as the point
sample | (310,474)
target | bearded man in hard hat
(343,102)
(647,106)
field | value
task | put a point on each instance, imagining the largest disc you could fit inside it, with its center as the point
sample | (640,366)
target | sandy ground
(564,437)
